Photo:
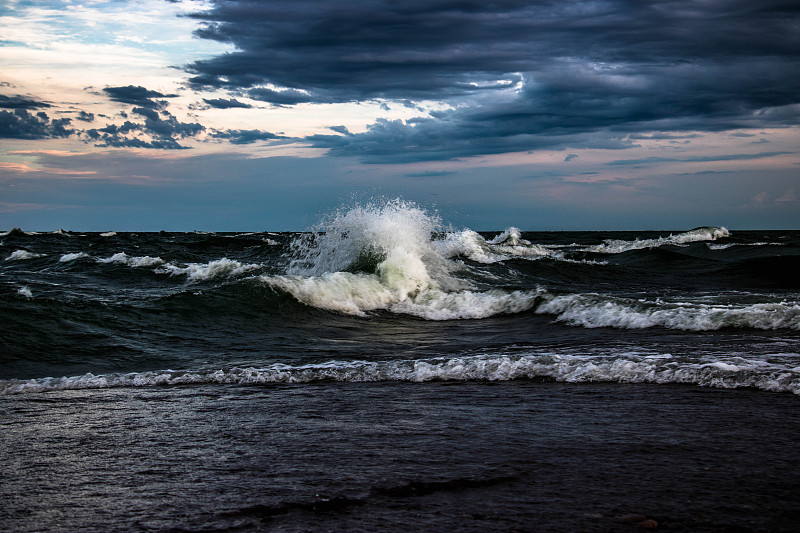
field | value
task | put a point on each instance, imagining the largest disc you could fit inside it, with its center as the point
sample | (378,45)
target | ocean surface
(386,371)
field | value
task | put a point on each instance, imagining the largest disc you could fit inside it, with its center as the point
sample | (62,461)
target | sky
(236,115)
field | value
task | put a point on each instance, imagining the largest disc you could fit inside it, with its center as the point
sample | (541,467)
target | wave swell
(736,372)
(615,246)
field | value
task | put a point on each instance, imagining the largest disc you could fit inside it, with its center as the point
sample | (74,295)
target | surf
(389,256)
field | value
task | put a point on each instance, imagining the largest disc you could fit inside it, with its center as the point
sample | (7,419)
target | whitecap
(570,368)
(596,311)
(73,256)
(25,291)
(122,258)
(616,246)
(206,271)
(21,255)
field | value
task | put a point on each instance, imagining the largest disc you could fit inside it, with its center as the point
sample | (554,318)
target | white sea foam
(712,246)
(73,256)
(507,245)
(21,255)
(626,368)
(595,311)
(205,271)
(25,291)
(615,246)
(124,259)
(385,257)
(109,234)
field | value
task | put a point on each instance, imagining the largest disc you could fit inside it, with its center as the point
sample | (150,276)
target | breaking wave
(736,372)
(615,246)
(21,255)
(597,311)
(394,256)
(124,259)
(205,271)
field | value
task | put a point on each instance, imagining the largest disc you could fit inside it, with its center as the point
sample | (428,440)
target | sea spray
(388,256)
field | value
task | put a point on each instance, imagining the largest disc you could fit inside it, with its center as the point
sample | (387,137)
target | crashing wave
(507,245)
(387,257)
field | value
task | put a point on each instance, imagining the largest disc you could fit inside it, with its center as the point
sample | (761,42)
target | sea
(387,371)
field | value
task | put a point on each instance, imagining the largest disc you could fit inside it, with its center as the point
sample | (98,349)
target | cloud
(285,97)
(20,102)
(516,75)
(223,103)
(137,95)
(20,124)
(787,197)
(245,136)
(160,130)
(83,116)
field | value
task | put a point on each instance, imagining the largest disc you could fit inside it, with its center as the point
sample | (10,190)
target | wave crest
(615,246)
(597,311)
(735,372)
(394,256)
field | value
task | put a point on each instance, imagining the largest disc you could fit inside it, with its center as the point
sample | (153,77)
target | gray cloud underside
(246,136)
(160,126)
(20,124)
(20,102)
(159,130)
(225,103)
(137,95)
(522,75)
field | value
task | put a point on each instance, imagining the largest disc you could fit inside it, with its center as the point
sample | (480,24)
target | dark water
(394,373)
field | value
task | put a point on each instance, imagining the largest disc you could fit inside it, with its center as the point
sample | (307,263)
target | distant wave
(596,311)
(735,372)
(614,246)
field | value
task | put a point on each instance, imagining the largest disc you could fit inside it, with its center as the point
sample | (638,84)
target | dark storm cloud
(287,97)
(85,117)
(162,131)
(137,95)
(224,103)
(20,124)
(20,102)
(524,74)
(246,136)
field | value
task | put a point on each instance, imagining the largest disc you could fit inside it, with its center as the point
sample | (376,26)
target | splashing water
(386,256)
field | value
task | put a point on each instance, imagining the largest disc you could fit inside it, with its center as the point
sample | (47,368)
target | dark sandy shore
(512,456)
